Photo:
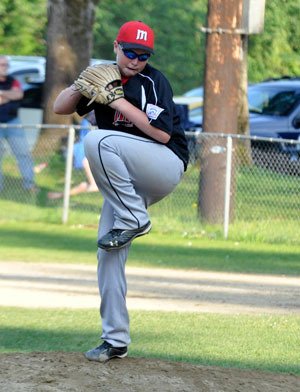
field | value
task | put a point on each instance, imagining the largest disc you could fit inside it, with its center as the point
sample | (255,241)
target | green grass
(260,241)
(266,206)
(276,195)
(261,342)
(39,242)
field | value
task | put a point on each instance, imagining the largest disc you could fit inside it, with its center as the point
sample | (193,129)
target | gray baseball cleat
(118,238)
(105,352)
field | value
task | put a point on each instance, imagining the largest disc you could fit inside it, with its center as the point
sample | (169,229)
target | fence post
(227,186)
(68,174)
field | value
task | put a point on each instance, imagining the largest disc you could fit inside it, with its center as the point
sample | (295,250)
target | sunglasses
(130,54)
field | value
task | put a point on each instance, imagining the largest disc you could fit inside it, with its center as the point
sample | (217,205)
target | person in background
(11,95)
(80,162)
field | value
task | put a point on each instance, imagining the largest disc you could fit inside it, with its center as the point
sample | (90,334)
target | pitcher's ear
(116,44)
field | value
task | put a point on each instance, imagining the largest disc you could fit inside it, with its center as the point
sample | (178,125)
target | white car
(33,68)
(27,68)
(192,98)
(31,71)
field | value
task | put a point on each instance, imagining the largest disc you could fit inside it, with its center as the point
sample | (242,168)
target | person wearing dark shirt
(137,156)
(11,95)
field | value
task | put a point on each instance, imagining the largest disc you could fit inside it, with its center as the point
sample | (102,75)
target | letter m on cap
(141,34)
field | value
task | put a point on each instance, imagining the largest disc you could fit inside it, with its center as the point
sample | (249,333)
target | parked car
(192,98)
(30,68)
(195,92)
(274,111)
(274,108)
(27,67)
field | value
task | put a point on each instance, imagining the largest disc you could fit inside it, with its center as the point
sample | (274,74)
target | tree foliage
(23,27)
(70,41)
(276,52)
(180,44)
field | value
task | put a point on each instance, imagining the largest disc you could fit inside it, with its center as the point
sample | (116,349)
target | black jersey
(151,92)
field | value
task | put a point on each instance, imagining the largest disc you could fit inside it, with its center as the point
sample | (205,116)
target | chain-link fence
(234,185)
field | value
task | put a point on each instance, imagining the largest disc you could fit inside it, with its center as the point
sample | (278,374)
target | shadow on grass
(42,240)
(229,258)
(14,192)
(27,340)
(222,259)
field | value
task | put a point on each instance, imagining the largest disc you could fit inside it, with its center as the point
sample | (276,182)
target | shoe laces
(115,232)
(104,345)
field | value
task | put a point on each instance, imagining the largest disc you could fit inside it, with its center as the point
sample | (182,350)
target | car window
(272,101)
(257,100)
(26,76)
(282,103)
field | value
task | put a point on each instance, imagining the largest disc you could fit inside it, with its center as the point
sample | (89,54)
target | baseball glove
(100,83)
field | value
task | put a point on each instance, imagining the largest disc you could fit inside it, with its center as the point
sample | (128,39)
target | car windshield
(276,101)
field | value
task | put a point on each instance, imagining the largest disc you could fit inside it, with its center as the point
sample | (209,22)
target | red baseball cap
(136,35)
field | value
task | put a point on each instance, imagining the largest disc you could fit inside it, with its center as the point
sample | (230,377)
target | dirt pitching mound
(57,372)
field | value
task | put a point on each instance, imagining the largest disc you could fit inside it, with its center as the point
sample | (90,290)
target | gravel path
(75,286)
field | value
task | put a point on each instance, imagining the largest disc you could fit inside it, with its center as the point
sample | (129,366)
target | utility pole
(222,79)
(229,22)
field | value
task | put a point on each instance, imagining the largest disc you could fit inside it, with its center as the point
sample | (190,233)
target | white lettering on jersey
(120,119)
(153,111)
(141,34)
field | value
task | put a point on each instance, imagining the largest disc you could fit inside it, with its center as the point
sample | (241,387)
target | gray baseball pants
(131,173)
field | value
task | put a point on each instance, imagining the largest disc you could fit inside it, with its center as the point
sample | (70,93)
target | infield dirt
(47,285)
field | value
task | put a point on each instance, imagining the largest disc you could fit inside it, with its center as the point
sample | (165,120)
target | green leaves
(275,53)
(22,28)
(180,44)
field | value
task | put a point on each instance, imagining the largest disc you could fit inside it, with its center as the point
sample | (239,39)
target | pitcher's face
(130,62)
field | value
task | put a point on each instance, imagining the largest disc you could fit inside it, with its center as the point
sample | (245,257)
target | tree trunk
(69,49)
(222,80)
